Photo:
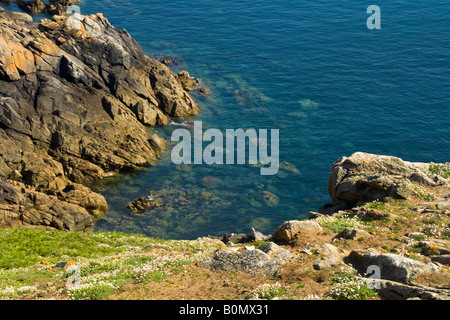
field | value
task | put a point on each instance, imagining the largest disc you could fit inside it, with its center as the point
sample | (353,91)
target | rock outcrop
(365,177)
(264,261)
(289,229)
(76,95)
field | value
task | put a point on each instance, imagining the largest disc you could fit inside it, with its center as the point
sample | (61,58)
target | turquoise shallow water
(311,69)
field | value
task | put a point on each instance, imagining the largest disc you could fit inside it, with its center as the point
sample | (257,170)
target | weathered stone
(75,94)
(21,16)
(393,267)
(82,196)
(157,142)
(310,248)
(253,236)
(444,259)
(251,261)
(391,290)
(443,205)
(434,247)
(330,257)
(276,252)
(232,238)
(23,207)
(289,229)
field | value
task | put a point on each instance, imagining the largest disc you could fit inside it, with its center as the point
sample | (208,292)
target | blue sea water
(311,69)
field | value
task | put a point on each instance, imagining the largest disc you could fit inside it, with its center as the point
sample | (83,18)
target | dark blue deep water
(311,69)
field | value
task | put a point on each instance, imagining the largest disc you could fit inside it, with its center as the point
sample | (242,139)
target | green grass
(347,287)
(25,247)
(422,193)
(377,205)
(441,169)
(106,261)
(339,223)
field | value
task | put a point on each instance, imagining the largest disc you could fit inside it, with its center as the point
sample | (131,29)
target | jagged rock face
(75,97)
(365,177)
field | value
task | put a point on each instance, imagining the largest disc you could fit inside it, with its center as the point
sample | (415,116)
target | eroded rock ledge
(76,95)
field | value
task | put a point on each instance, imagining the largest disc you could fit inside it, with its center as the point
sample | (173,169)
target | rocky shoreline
(397,248)
(76,96)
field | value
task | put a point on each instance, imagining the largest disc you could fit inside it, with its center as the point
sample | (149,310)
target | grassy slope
(121,266)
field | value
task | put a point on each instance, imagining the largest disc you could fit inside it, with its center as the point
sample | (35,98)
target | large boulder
(392,266)
(365,177)
(289,229)
(253,261)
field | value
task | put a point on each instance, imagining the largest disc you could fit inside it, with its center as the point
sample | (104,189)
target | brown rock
(73,105)
(289,229)
(186,81)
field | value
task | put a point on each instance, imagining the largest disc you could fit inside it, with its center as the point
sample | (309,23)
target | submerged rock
(269,198)
(141,204)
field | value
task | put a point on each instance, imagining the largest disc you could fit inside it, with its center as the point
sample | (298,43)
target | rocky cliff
(364,177)
(76,95)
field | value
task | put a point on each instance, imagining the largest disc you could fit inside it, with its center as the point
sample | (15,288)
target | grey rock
(309,248)
(444,259)
(276,252)
(74,103)
(393,267)
(330,257)
(250,261)
(391,290)
(443,205)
